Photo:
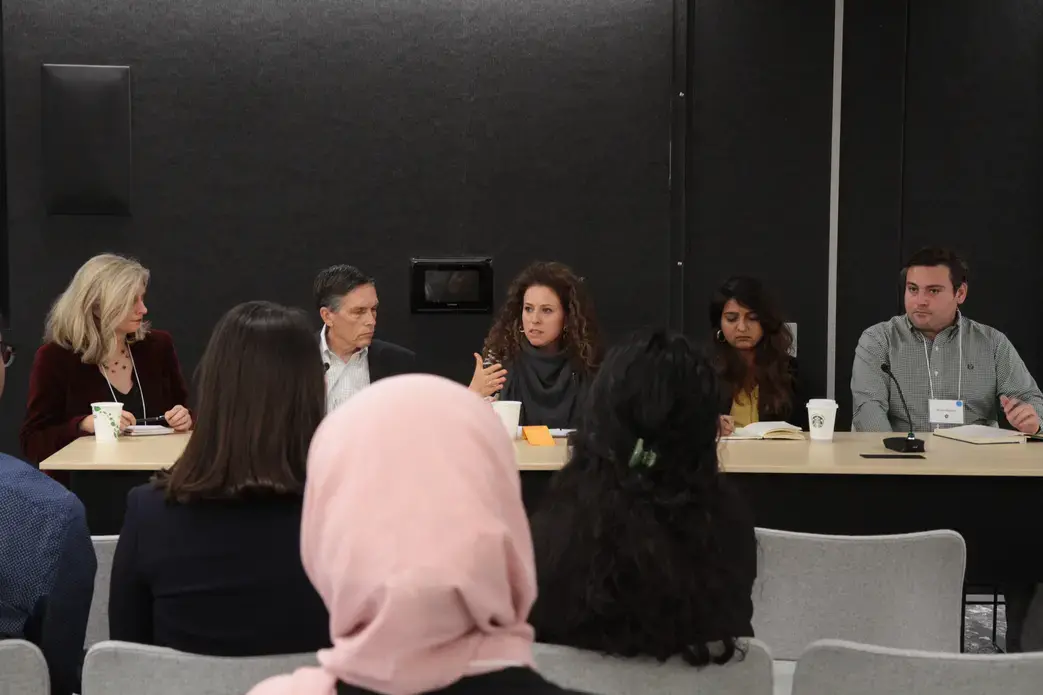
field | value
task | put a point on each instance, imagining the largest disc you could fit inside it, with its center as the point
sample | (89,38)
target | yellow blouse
(745,406)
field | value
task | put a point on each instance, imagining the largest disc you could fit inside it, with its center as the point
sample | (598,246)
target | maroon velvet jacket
(62,388)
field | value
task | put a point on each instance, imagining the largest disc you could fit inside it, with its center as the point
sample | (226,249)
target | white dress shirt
(343,378)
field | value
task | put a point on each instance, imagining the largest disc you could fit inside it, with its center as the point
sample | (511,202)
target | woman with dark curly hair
(642,546)
(752,356)
(543,348)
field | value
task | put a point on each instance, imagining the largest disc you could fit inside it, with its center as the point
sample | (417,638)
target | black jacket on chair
(387,359)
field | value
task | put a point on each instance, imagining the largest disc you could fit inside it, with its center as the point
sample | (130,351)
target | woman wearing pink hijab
(415,536)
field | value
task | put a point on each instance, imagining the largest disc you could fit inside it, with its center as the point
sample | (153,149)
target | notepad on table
(147,430)
(768,430)
(538,436)
(980,434)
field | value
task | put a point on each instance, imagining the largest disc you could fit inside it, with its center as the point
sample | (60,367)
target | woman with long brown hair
(543,348)
(752,348)
(208,560)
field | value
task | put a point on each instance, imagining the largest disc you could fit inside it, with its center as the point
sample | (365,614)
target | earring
(720,336)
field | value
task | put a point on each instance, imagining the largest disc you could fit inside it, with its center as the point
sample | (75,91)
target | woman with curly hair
(752,356)
(642,546)
(543,348)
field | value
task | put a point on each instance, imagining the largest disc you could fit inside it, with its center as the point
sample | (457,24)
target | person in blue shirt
(47,564)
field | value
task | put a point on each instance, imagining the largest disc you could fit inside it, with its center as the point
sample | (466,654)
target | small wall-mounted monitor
(451,285)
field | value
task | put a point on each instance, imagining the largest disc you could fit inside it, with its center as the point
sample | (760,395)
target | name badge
(945,412)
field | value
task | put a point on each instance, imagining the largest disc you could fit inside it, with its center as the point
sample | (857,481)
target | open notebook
(980,434)
(768,430)
(147,430)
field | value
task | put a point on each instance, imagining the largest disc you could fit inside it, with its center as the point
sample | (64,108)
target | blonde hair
(101,294)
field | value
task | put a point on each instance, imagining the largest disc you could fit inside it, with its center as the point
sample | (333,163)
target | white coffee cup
(510,413)
(822,418)
(106,421)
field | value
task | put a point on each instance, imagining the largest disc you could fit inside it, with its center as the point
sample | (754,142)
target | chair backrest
(23,670)
(121,668)
(902,591)
(586,671)
(835,667)
(98,620)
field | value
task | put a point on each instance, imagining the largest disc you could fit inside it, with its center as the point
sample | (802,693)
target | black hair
(934,256)
(336,281)
(647,554)
(771,370)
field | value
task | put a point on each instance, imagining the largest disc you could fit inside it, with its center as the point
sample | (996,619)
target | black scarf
(549,389)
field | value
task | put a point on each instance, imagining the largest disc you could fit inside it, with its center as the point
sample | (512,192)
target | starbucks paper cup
(822,417)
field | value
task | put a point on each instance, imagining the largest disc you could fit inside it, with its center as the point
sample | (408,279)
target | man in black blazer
(347,302)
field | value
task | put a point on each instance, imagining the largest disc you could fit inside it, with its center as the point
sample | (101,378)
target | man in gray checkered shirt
(940,357)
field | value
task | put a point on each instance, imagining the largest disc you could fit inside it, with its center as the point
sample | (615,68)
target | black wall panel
(871,154)
(974,154)
(761,83)
(271,139)
(942,144)
(85,123)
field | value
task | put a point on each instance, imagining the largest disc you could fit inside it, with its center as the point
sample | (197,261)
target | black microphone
(325,366)
(908,444)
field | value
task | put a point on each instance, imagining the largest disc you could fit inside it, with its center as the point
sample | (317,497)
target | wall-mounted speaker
(85,117)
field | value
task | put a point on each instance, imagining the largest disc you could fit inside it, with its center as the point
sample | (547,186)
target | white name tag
(946,412)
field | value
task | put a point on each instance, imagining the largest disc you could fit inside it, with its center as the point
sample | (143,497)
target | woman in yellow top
(758,376)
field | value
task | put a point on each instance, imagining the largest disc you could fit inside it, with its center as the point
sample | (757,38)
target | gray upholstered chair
(121,668)
(595,673)
(98,620)
(903,591)
(835,667)
(23,669)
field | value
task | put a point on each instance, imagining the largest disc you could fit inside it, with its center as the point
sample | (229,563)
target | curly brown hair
(580,338)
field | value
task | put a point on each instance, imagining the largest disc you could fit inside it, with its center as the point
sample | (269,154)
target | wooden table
(988,493)
(944,457)
(159,452)
(102,474)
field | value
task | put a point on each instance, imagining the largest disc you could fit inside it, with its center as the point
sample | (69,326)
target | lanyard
(141,391)
(930,377)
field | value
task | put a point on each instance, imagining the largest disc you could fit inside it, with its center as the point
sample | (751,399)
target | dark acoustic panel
(761,91)
(85,117)
(871,146)
(974,154)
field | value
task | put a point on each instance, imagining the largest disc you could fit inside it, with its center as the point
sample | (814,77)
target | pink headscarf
(415,536)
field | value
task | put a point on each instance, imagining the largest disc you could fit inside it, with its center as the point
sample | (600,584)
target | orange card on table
(538,435)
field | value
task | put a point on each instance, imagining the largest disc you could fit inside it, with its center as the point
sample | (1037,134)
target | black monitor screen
(452,286)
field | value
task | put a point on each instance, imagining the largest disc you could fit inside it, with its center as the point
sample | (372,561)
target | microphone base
(905,445)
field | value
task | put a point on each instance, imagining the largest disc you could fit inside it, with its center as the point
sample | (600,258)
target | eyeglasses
(6,353)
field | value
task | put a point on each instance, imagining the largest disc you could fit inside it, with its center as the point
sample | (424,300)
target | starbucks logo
(818,421)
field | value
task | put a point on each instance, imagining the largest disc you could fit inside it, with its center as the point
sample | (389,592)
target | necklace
(125,352)
(118,363)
